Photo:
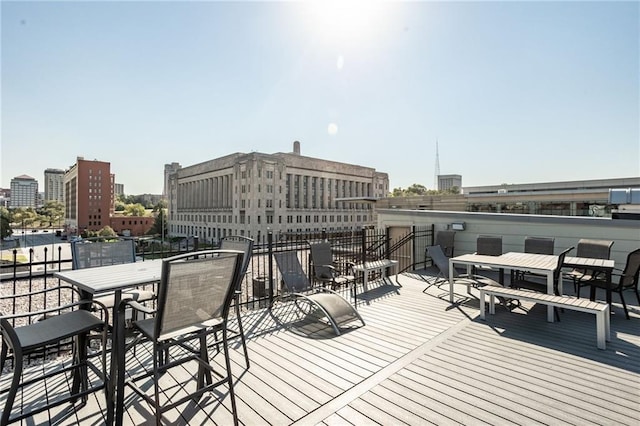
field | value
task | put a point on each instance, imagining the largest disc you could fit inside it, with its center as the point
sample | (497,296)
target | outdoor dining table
(542,264)
(113,278)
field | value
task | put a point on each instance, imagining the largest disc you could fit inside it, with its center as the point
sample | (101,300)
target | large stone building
(24,192)
(250,193)
(54,185)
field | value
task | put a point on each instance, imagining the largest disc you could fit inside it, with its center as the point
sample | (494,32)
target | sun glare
(346,21)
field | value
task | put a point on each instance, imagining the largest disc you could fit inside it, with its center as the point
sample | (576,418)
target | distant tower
(437,168)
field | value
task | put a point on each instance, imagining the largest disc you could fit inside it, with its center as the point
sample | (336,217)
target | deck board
(419,360)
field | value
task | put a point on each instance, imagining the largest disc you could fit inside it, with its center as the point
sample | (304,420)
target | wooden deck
(419,360)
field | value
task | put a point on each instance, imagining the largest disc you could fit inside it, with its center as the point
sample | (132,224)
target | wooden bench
(374,265)
(601,310)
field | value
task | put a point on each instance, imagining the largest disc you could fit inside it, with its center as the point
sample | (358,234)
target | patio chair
(194,298)
(296,286)
(490,245)
(51,327)
(441,261)
(245,245)
(627,280)
(536,245)
(445,239)
(596,249)
(540,284)
(89,254)
(325,269)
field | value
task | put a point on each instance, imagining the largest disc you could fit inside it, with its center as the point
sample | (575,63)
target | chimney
(296,147)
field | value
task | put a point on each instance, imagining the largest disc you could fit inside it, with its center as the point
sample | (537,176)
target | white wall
(566,230)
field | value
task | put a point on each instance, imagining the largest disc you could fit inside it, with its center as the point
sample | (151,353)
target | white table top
(103,279)
(589,262)
(512,260)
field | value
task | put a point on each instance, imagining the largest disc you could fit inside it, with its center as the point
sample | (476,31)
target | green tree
(159,223)
(5,223)
(134,210)
(107,231)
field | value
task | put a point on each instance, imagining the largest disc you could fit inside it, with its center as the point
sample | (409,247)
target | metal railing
(19,277)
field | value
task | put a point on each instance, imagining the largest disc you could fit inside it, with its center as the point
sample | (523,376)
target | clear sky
(513,92)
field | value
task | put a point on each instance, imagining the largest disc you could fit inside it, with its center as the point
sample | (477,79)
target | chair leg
(624,305)
(241,330)
(15,384)
(3,356)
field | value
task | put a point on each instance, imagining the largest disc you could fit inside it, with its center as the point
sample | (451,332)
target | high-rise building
(88,196)
(54,185)
(250,193)
(446,182)
(24,192)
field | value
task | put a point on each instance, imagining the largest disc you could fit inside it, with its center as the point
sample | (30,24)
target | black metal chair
(194,298)
(90,254)
(325,269)
(540,285)
(596,249)
(45,329)
(445,239)
(535,245)
(245,245)
(627,280)
(335,308)
(490,245)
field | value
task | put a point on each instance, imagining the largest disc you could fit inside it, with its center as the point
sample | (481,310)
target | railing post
(270,265)
(363,245)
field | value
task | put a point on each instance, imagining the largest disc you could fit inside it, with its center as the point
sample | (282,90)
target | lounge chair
(445,239)
(296,285)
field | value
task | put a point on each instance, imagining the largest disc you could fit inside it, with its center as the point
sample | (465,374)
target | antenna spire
(437,168)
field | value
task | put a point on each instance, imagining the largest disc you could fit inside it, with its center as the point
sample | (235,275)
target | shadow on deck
(418,360)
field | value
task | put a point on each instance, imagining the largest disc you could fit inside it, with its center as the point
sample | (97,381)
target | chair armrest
(42,291)
(135,305)
(43,312)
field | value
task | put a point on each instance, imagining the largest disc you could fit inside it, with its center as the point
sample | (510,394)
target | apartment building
(88,196)
(24,192)
(251,193)
(54,185)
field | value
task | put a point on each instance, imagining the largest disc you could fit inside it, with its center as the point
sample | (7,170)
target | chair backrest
(631,270)
(557,273)
(293,276)
(445,240)
(538,245)
(195,288)
(489,245)
(440,260)
(243,244)
(596,249)
(85,254)
(322,259)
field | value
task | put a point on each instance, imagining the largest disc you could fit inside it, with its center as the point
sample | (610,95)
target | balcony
(421,359)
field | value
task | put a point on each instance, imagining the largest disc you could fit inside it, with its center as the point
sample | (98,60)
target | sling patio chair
(627,280)
(194,298)
(28,333)
(540,284)
(325,269)
(536,245)
(245,245)
(296,286)
(445,239)
(441,261)
(596,249)
(91,254)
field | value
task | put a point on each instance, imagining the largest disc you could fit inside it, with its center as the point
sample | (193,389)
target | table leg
(450,281)
(550,308)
